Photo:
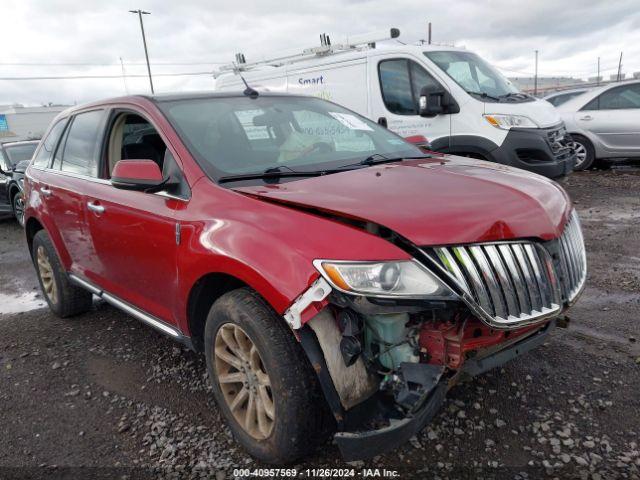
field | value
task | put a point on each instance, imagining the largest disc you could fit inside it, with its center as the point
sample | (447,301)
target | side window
(620,98)
(420,79)
(592,105)
(133,138)
(43,157)
(82,146)
(401,81)
(396,87)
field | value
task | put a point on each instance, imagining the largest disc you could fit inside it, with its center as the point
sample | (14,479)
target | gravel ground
(101,396)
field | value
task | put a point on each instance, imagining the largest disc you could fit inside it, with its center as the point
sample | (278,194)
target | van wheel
(64,299)
(262,380)
(585,153)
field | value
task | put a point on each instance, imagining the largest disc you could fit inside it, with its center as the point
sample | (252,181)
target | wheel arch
(205,291)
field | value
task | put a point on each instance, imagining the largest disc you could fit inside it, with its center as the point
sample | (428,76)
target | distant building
(546,84)
(25,123)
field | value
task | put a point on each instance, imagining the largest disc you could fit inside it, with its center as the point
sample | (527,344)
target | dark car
(14,160)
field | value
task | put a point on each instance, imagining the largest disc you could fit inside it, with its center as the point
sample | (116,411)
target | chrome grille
(512,282)
(573,259)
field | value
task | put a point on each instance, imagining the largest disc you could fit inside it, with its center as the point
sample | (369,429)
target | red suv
(336,277)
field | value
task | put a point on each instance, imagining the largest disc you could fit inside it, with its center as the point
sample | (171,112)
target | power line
(85,77)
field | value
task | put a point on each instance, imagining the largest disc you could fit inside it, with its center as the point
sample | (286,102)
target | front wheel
(18,208)
(261,379)
(585,153)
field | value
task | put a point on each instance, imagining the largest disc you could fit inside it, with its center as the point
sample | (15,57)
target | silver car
(558,98)
(604,123)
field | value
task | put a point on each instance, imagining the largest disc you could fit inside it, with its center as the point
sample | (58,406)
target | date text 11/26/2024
(316,473)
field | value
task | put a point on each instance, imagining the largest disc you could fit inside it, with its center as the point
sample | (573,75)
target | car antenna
(249,92)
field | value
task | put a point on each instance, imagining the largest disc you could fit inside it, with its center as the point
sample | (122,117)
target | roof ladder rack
(326,48)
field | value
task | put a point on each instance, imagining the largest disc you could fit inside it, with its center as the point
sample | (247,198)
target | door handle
(94,207)
(45,191)
(586,117)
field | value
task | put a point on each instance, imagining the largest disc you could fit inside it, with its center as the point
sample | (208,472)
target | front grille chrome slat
(491,281)
(519,282)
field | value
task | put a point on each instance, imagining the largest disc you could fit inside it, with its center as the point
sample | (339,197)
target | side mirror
(140,175)
(382,121)
(434,101)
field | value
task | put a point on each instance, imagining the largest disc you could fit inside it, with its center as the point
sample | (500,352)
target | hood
(540,111)
(436,201)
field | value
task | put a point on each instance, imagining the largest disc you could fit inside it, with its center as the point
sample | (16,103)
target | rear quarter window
(43,157)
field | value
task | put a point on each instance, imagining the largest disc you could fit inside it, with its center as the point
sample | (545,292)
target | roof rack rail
(367,40)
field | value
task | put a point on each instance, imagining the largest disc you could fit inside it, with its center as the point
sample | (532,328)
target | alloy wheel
(46,275)
(581,153)
(18,208)
(244,381)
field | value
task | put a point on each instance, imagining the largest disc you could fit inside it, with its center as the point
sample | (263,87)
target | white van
(451,96)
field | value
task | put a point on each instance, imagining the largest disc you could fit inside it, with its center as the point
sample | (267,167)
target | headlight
(382,279)
(505,122)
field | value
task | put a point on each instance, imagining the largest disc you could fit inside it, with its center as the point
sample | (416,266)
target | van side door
(395,94)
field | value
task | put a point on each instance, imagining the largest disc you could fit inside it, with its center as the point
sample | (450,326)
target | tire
(298,408)
(17,203)
(63,298)
(585,153)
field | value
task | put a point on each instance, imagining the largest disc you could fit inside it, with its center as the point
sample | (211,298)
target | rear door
(61,187)
(614,117)
(134,233)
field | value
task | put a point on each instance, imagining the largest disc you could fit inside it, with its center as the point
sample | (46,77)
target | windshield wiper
(483,95)
(378,158)
(274,173)
(516,95)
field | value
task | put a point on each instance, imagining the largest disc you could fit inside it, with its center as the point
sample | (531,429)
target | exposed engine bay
(385,368)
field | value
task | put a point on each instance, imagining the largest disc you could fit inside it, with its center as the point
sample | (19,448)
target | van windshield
(242,136)
(476,76)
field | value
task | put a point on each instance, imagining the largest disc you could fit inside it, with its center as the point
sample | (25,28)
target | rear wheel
(585,153)
(63,298)
(18,207)
(261,379)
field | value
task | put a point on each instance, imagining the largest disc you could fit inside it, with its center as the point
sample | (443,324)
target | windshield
(241,135)
(18,153)
(473,74)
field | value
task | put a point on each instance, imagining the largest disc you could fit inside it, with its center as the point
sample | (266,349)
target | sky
(54,38)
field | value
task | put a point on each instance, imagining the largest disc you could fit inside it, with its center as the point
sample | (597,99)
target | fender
(40,214)
(240,241)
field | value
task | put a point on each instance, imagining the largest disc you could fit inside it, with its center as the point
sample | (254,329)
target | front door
(134,233)
(396,94)
(614,117)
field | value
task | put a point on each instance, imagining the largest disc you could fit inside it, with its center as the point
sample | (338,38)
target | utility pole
(598,74)
(144,42)
(535,78)
(429,34)
(620,68)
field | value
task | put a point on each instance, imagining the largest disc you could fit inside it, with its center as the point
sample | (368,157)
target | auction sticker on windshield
(350,121)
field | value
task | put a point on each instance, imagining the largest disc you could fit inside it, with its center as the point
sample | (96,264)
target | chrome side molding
(127,308)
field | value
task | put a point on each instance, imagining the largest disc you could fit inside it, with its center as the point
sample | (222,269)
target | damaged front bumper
(357,443)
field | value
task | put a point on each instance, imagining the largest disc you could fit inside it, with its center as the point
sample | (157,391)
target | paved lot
(102,396)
